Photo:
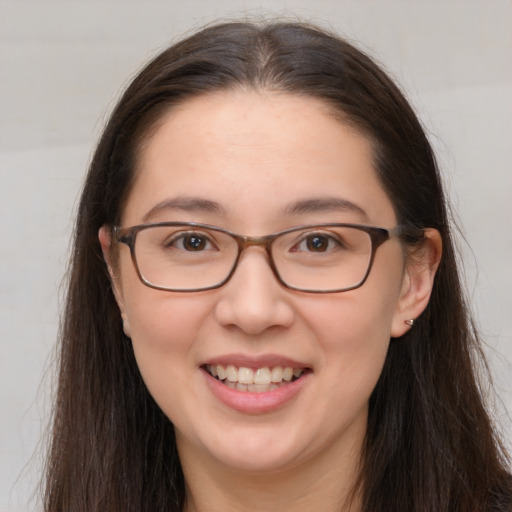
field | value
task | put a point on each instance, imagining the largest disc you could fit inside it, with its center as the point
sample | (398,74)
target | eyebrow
(304,206)
(187,204)
(324,205)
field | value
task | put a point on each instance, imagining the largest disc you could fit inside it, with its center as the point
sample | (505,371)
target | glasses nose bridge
(265,242)
(244,242)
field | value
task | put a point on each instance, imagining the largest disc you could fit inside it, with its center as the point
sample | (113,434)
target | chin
(261,461)
(258,449)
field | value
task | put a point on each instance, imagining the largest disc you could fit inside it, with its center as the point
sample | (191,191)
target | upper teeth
(244,375)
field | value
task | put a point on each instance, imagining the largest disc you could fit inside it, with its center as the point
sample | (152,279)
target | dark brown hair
(430,445)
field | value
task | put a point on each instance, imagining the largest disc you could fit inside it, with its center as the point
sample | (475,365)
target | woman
(264,310)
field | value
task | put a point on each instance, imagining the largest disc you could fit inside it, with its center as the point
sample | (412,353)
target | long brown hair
(430,445)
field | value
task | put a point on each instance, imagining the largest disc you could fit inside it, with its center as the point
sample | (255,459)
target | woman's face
(256,163)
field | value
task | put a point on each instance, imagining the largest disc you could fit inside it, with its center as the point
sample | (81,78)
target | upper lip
(260,361)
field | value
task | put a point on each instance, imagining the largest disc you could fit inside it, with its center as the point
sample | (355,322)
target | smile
(258,380)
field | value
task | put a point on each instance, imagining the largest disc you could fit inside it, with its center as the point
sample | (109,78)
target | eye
(193,242)
(317,242)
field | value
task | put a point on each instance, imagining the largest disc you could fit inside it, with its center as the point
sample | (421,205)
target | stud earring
(409,322)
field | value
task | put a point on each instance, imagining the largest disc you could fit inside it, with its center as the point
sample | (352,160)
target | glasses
(192,257)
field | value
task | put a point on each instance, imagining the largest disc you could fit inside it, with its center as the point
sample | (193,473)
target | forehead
(255,153)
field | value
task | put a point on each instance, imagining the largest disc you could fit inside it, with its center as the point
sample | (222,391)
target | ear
(418,282)
(105,239)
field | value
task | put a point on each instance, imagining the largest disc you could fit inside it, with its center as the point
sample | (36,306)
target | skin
(255,153)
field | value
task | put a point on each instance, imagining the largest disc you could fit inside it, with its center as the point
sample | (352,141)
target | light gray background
(62,65)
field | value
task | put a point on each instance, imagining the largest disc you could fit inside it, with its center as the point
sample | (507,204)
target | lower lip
(255,403)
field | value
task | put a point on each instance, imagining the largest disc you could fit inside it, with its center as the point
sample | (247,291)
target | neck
(326,483)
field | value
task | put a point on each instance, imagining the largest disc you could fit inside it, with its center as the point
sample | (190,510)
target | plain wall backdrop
(62,64)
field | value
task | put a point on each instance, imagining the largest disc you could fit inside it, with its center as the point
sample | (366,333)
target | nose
(253,300)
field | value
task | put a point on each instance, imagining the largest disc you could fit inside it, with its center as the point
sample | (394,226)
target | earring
(409,322)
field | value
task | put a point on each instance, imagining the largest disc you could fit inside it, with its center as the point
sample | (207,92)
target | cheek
(355,321)
(354,349)
(160,322)
(354,332)
(165,337)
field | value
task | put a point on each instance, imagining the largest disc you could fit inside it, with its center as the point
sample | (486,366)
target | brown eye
(191,242)
(317,243)
(194,243)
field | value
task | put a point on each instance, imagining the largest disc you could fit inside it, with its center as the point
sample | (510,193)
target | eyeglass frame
(378,235)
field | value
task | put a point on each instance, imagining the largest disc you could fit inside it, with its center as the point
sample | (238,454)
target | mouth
(254,380)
